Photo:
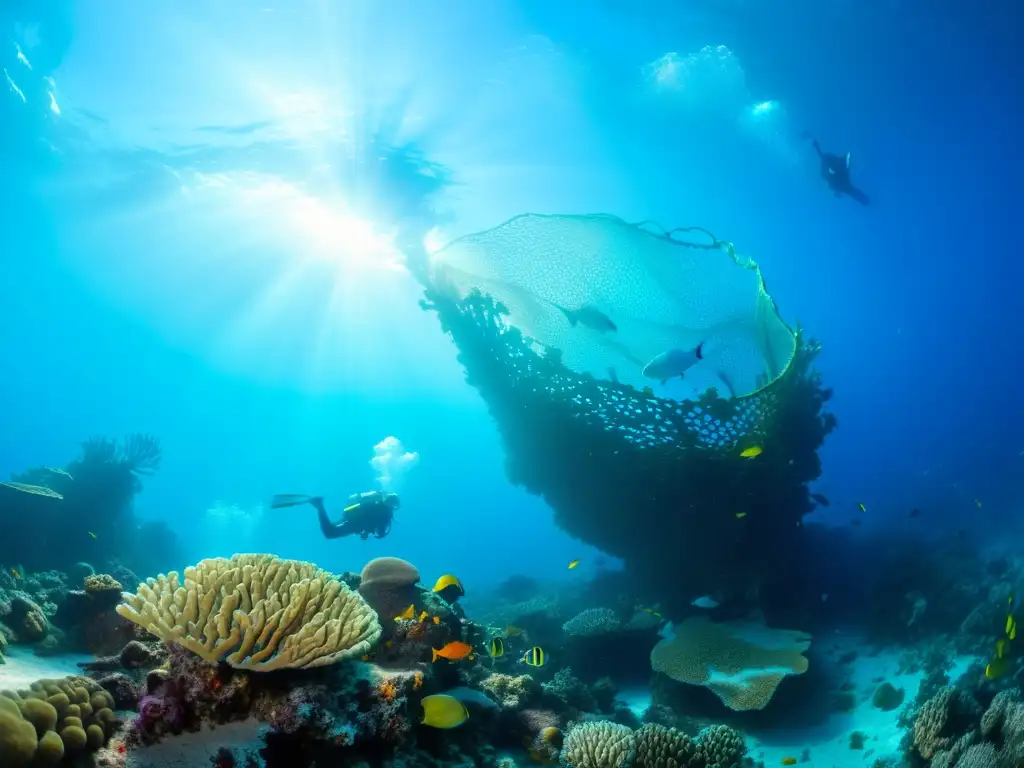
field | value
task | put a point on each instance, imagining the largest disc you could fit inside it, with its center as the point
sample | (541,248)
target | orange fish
(454,651)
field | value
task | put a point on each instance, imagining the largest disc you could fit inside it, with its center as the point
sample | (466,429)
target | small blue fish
(706,602)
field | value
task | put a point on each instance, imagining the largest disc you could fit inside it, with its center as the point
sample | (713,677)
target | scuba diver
(366,513)
(835,170)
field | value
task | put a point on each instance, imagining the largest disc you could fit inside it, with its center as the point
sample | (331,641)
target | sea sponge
(511,691)
(593,621)
(719,746)
(942,720)
(661,747)
(388,572)
(98,585)
(598,744)
(741,662)
(887,697)
(256,612)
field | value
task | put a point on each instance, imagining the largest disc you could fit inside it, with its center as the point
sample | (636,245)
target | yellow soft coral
(741,662)
(256,612)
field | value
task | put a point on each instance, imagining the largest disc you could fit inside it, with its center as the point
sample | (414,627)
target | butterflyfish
(454,651)
(407,614)
(752,452)
(496,648)
(449,588)
(535,657)
(997,668)
(443,711)
(862,506)
(573,564)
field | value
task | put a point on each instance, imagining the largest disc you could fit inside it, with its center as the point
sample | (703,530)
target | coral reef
(679,456)
(741,662)
(53,719)
(256,612)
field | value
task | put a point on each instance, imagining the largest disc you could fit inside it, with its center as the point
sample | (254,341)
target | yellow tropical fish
(92,534)
(496,648)
(449,587)
(437,619)
(789,761)
(14,572)
(573,564)
(423,617)
(862,506)
(443,711)
(740,515)
(997,668)
(535,657)
(1001,647)
(752,452)
(407,614)
(1011,627)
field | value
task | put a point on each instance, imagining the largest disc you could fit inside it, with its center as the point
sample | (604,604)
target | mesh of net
(497,293)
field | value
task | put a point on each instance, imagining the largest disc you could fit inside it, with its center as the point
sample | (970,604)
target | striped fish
(535,657)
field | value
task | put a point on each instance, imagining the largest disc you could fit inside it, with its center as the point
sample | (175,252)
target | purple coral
(160,714)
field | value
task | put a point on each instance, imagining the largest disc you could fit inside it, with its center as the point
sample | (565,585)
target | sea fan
(140,453)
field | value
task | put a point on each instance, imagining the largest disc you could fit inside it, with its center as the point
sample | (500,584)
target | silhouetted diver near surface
(835,170)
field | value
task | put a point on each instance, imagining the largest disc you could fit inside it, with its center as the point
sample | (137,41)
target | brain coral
(594,621)
(256,612)
(741,662)
(599,744)
(53,719)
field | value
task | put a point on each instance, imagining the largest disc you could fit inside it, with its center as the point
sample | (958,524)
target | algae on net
(660,292)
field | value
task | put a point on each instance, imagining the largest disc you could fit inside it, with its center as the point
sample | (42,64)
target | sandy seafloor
(827,743)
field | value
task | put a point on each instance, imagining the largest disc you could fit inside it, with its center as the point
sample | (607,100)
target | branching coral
(256,612)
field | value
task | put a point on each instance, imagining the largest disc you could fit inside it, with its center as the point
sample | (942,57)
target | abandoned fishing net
(658,291)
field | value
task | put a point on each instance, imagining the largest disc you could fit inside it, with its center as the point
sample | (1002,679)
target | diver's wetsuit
(366,513)
(836,172)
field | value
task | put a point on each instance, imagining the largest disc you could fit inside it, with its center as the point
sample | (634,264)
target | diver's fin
(289,500)
(859,196)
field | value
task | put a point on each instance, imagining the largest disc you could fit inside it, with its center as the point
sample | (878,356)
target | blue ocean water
(207,211)
(176,185)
